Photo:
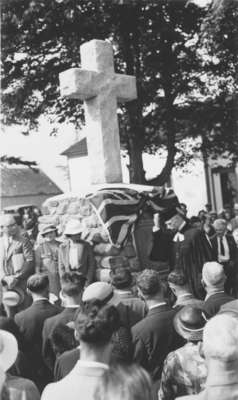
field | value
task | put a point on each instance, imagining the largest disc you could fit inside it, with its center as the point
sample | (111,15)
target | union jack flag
(119,209)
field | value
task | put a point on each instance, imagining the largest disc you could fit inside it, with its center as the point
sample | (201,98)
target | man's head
(213,276)
(9,224)
(72,285)
(220,340)
(121,278)
(38,285)
(149,285)
(220,226)
(174,218)
(178,282)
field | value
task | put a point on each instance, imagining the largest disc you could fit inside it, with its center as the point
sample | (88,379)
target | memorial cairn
(118,218)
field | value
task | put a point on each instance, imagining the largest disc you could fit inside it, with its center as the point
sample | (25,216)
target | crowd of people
(169,331)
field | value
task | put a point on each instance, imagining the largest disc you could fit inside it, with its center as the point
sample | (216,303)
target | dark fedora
(189,323)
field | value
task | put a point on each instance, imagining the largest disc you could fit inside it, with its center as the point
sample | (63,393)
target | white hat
(8,350)
(11,298)
(101,291)
(213,273)
(73,227)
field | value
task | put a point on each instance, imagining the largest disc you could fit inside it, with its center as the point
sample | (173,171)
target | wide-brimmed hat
(8,350)
(13,297)
(189,323)
(47,229)
(73,227)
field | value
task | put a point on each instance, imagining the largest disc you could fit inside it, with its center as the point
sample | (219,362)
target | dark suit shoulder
(153,319)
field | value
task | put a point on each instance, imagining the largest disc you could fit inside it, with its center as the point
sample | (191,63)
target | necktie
(222,246)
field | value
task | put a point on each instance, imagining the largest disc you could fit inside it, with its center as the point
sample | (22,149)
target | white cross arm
(77,83)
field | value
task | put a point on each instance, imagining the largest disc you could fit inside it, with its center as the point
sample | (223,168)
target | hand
(10,280)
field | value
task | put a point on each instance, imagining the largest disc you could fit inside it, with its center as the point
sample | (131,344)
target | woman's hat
(13,297)
(189,323)
(8,350)
(47,229)
(73,227)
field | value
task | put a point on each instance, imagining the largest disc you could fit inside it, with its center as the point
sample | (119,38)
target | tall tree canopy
(185,84)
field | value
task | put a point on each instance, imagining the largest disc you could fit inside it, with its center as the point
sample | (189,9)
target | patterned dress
(184,373)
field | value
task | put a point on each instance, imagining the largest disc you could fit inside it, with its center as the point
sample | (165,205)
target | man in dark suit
(72,286)
(225,250)
(121,279)
(30,322)
(154,336)
(191,249)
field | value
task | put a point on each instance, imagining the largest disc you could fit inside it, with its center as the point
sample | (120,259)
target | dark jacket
(190,254)
(30,323)
(67,315)
(135,307)
(65,363)
(214,302)
(153,338)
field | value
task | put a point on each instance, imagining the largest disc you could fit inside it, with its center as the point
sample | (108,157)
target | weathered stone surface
(109,262)
(106,249)
(100,87)
(103,275)
(49,219)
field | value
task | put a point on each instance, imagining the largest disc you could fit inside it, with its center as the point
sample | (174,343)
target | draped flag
(119,209)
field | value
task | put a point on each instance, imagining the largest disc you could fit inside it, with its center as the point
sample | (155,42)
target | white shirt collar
(40,299)
(92,364)
(212,293)
(157,305)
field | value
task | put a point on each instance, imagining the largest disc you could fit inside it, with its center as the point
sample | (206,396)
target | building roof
(23,181)
(78,149)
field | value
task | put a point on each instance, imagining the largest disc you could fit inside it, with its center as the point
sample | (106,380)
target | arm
(38,259)
(29,258)
(60,263)
(140,352)
(91,265)
(168,387)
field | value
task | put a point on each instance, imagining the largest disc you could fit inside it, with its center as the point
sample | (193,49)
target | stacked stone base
(59,212)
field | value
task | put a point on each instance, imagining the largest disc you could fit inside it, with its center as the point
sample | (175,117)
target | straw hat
(189,323)
(73,227)
(8,350)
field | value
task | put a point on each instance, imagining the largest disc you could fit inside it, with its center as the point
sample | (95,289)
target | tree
(157,41)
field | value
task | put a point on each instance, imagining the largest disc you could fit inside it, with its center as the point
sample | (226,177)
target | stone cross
(97,84)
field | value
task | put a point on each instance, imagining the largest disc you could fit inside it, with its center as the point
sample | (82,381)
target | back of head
(95,324)
(63,339)
(38,284)
(149,283)
(177,278)
(72,284)
(213,275)
(220,338)
(121,278)
(124,383)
